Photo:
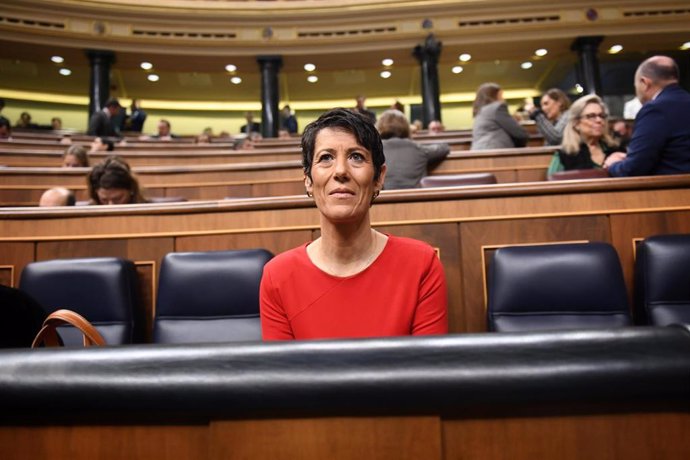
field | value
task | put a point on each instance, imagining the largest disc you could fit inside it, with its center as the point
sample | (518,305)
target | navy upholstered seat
(103,290)
(556,286)
(662,280)
(209,296)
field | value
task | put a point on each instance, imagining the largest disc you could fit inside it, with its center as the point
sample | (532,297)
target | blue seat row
(202,296)
(574,286)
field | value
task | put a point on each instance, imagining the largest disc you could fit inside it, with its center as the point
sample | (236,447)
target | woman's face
(342,176)
(550,107)
(70,161)
(114,196)
(592,122)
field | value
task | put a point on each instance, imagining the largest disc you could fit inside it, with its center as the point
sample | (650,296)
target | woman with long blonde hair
(586,139)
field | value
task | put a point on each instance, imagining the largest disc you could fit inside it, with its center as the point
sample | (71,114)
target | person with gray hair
(660,143)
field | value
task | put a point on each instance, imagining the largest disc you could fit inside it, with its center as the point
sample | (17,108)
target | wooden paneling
(344,438)
(13,259)
(474,236)
(276,242)
(164,442)
(601,437)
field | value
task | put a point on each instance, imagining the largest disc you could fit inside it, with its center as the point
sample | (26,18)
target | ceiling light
(541,52)
(386,74)
(235,80)
(685,46)
(526,65)
(57,59)
(579,88)
(231,67)
(312,78)
(387,62)
(66,72)
(146,65)
(153,77)
(615,49)
(309,67)
(457,69)
(464,57)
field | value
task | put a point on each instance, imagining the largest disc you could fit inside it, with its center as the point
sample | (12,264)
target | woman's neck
(345,243)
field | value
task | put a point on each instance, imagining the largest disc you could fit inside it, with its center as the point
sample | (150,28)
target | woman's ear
(308,185)
(382,176)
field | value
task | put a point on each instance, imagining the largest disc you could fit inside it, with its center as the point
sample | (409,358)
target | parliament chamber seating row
(214,296)
(465,224)
(23,186)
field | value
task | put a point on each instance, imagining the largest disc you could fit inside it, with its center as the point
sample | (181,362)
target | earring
(309,194)
(373,197)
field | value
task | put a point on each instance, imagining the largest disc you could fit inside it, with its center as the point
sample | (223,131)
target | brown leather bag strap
(48,333)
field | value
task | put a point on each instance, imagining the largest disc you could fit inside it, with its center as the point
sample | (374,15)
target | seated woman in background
(112,182)
(352,281)
(75,157)
(552,117)
(586,139)
(406,161)
(493,126)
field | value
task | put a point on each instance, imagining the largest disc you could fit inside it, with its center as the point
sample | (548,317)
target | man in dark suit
(251,126)
(661,139)
(101,123)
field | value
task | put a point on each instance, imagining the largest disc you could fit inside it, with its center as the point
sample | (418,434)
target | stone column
(270,95)
(427,55)
(588,73)
(99,88)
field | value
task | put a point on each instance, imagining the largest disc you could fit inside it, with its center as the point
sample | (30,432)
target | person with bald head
(660,143)
(57,196)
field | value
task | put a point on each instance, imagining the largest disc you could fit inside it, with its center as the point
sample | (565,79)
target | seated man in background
(56,123)
(660,143)
(163,134)
(102,145)
(250,126)
(57,196)
(406,160)
(5,129)
(436,127)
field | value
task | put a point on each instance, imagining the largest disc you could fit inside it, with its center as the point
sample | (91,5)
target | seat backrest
(556,286)
(209,296)
(574,174)
(104,290)
(662,280)
(453,180)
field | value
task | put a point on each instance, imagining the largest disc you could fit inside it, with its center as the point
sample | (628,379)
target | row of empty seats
(214,296)
(202,296)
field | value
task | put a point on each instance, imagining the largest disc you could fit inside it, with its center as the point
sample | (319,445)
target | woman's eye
(356,156)
(325,157)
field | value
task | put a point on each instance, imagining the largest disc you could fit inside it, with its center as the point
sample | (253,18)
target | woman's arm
(553,134)
(274,321)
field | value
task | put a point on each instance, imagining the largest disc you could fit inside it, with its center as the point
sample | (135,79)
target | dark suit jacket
(661,139)
(256,128)
(100,125)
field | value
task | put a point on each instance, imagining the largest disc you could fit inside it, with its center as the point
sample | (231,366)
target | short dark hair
(113,172)
(112,102)
(360,126)
(660,70)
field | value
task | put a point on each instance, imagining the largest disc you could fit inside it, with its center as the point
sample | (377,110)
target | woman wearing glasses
(586,139)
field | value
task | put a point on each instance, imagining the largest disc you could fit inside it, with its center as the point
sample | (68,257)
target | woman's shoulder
(289,257)
(410,245)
